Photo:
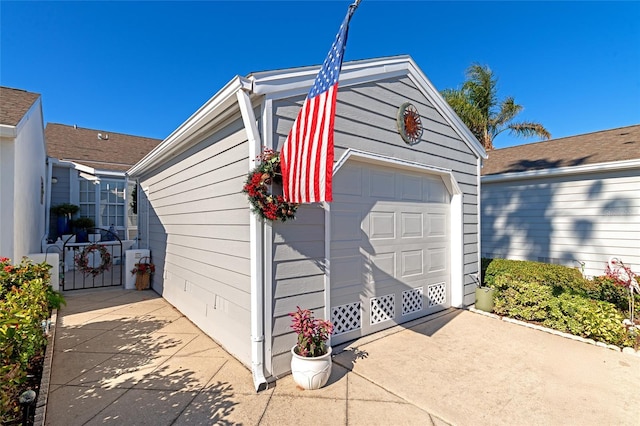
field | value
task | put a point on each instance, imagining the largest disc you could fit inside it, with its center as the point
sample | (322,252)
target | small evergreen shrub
(557,276)
(588,318)
(559,297)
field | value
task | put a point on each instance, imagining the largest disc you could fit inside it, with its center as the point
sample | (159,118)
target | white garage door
(390,245)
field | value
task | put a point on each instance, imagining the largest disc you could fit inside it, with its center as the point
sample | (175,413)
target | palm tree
(476,103)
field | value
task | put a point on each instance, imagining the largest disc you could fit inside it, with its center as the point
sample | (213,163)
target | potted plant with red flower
(311,356)
(143,270)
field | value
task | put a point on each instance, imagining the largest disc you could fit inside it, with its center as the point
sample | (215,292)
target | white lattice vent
(346,318)
(412,300)
(383,308)
(437,294)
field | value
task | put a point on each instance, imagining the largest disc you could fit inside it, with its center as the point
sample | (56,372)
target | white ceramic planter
(311,373)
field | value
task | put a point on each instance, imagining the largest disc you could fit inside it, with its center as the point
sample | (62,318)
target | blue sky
(144,67)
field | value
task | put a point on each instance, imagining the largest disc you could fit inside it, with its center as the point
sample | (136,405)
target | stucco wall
(23,185)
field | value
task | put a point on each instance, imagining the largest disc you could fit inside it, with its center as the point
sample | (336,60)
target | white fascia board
(202,120)
(8,132)
(563,171)
(298,81)
(85,169)
(370,157)
(431,93)
(110,173)
(284,84)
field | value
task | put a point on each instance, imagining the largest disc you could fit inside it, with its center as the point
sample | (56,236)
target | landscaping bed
(26,302)
(560,298)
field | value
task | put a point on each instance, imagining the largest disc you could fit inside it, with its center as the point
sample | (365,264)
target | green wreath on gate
(82,260)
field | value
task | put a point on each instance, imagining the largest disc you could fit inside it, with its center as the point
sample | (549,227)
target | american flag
(307,154)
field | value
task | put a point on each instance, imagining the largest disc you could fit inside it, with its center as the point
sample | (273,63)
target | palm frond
(481,88)
(529,129)
(508,110)
(466,110)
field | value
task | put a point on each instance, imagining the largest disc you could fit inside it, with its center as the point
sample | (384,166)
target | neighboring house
(22,173)
(88,169)
(401,236)
(573,201)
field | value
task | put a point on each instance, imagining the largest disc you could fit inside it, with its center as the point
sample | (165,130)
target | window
(87,198)
(112,203)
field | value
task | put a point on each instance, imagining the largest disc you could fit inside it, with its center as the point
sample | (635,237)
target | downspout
(256,244)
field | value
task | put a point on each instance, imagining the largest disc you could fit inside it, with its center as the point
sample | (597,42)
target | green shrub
(588,318)
(26,299)
(559,277)
(554,296)
(605,289)
(521,300)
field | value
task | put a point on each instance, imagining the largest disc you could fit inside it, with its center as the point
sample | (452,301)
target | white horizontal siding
(199,235)
(586,218)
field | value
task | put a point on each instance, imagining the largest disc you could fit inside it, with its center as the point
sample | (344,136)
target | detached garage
(399,241)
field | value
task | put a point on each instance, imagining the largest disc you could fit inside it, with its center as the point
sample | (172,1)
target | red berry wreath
(82,260)
(264,203)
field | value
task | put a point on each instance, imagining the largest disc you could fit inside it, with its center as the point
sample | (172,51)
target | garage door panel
(345,226)
(346,271)
(412,263)
(346,294)
(435,191)
(382,184)
(436,260)
(412,224)
(403,268)
(382,225)
(383,266)
(437,225)
(350,184)
(411,188)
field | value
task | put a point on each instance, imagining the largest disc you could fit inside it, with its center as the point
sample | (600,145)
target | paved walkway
(128,357)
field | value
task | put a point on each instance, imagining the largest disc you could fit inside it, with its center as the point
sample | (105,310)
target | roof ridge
(76,127)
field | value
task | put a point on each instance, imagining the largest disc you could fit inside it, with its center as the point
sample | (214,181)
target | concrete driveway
(128,357)
(470,369)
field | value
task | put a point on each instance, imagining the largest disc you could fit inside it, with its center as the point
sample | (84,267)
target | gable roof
(96,148)
(291,82)
(14,104)
(607,146)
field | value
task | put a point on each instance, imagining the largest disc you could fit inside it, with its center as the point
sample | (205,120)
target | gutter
(8,132)
(563,171)
(256,232)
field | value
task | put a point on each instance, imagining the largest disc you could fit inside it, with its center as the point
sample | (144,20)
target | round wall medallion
(409,123)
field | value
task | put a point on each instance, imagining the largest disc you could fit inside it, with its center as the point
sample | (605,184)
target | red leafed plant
(312,333)
(143,268)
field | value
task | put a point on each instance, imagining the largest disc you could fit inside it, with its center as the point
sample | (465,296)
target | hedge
(26,300)
(559,297)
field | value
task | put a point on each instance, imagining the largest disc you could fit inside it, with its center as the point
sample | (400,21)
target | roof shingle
(14,104)
(110,151)
(599,147)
